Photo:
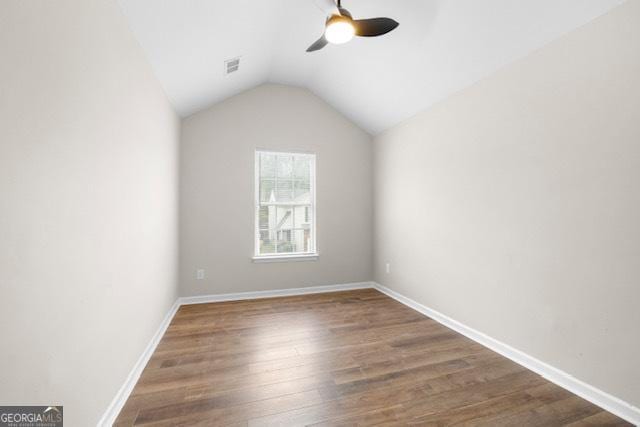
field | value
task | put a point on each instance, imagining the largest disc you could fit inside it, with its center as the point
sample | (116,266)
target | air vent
(231,65)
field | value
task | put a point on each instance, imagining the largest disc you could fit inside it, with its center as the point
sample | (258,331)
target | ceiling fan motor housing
(338,18)
(340,27)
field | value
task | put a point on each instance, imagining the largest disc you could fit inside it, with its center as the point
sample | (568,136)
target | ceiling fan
(340,27)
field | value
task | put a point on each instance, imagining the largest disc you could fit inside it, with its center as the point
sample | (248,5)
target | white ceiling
(440,47)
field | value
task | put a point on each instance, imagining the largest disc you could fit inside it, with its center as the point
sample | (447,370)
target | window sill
(286,258)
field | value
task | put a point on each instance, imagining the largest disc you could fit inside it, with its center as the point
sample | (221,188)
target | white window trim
(286,258)
(312,255)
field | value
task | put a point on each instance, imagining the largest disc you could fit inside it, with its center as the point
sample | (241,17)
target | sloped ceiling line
(440,47)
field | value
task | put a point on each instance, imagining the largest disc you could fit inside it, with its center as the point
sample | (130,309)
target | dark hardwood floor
(344,358)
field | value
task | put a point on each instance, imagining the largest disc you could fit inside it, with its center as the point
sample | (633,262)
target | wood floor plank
(600,419)
(337,359)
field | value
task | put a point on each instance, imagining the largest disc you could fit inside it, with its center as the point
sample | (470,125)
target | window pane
(284,190)
(267,217)
(285,182)
(302,167)
(302,217)
(286,243)
(302,191)
(284,217)
(290,241)
(303,240)
(267,190)
(285,166)
(267,165)
(267,242)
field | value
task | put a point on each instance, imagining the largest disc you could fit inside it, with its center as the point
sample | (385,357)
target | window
(285,205)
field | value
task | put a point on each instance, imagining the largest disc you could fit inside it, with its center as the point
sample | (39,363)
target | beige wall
(217,195)
(88,174)
(514,207)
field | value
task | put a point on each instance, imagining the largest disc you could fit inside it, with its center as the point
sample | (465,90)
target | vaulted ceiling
(440,47)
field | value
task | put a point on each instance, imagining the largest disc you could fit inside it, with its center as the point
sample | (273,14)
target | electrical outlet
(387,267)
(200,274)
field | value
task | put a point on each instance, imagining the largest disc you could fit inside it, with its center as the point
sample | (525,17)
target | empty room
(319,213)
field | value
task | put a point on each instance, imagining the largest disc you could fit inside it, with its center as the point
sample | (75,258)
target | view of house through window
(285,197)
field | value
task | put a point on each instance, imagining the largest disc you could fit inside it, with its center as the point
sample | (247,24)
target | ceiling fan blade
(374,26)
(319,44)
(329,7)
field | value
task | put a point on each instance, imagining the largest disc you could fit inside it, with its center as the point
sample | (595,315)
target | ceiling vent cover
(231,65)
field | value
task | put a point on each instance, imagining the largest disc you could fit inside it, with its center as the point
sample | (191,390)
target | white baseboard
(121,397)
(276,293)
(596,396)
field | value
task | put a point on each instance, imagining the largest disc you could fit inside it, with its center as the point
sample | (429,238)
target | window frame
(312,253)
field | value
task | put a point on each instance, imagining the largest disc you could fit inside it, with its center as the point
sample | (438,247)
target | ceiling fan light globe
(339,31)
